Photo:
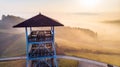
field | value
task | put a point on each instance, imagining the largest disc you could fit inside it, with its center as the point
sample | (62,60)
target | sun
(89,3)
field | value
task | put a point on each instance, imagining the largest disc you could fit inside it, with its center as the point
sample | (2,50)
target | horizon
(30,8)
(89,14)
(41,30)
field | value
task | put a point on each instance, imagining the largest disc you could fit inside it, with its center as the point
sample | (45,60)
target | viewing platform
(40,45)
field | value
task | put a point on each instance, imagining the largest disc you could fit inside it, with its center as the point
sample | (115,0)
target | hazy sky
(82,13)
(28,8)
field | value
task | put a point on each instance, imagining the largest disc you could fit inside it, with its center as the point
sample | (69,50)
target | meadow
(22,63)
(76,42)
(86,44)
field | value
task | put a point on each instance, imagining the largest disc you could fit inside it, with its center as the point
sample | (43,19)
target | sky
(77,13)
(28,8)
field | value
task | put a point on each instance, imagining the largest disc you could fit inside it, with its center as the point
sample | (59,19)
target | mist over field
(101,45)
(106,25)
(91,29)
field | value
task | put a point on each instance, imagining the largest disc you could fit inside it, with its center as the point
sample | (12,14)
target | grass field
(67,63)
(85,44)
(18,63)
(109,56)
(21,63)
(70,41)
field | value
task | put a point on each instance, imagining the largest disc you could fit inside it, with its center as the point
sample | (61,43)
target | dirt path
(82,62)
(86,64)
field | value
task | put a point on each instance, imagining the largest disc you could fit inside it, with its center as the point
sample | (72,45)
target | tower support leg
(27,60)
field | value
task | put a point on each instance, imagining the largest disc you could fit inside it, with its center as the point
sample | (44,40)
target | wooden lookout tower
(40,42)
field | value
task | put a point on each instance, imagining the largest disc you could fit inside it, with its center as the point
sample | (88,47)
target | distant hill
(8,21)
(113,21)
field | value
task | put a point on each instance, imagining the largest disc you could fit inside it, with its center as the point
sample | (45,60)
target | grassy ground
(74,42)
(18,63)
(21,63)
(67,63)
(114,59)
(103,51)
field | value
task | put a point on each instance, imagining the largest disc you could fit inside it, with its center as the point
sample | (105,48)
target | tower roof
(39,21)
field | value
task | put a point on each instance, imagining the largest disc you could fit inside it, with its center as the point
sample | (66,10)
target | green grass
(21,63)
(110,59)
(67,63)
(17,63)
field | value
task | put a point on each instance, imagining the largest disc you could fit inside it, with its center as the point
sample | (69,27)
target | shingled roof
(39,21)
